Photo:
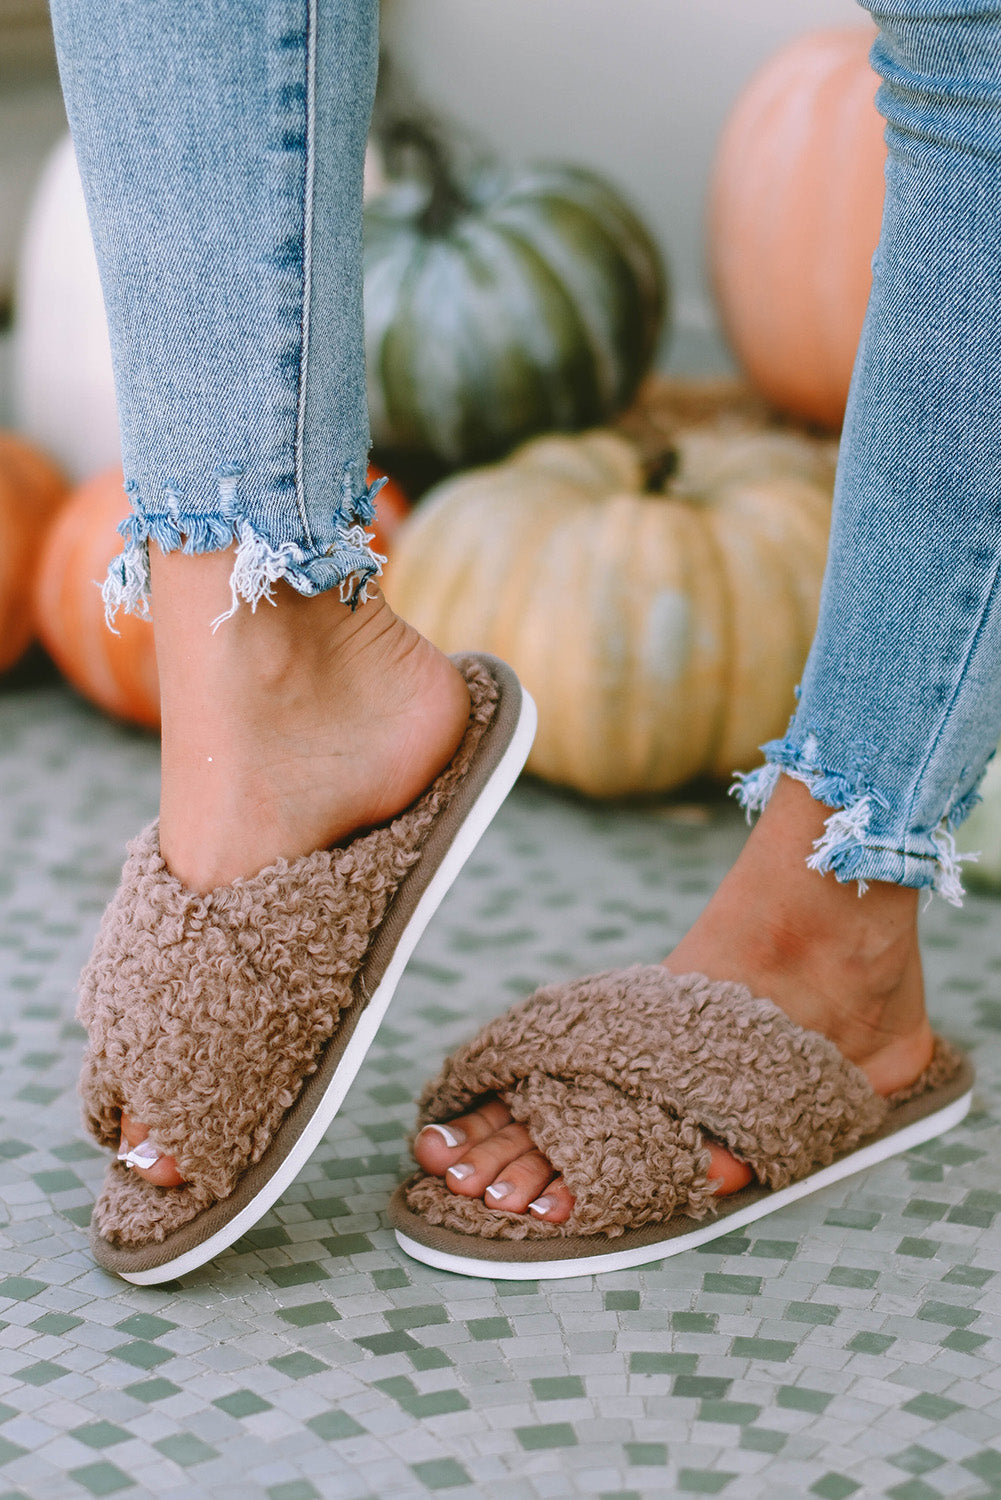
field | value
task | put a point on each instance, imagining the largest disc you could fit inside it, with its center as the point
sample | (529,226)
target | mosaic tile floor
(848,1345)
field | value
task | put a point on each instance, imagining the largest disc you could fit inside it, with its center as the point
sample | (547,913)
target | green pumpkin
(503,305)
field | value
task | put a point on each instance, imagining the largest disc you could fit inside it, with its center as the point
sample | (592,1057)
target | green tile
(974,1218)
(426,1316)
(60,1181)
(913,1489)
(871,1343)
(917,1248)
(9,1451)
(734,1286)
(851,1218)
(653,1362)
(428,1359)
(297,1366)
(834,1487)
(10,1150)
(306,1272)
(157,1389)
(440,1473)
(490,1328)
(21,1288)
(727,1244)
(242,1403)
(143,1355)
(949,1313)
(925,1208)
(775,1249)
(100,1434)
(986,1465)
(984,1198)
(332,1426)
(41,1372)
(703,1481)
(185,1449)
(56,1323)
(387,1343)
(694,1322)
(964,1341)
(293,1489)
(763,1440)
(101,1478)
(916,1460)
(390,1279)
(557,1387)
(811,1312)
(756,1348)
(622,1301)
(646,1455)
(308,1314)
(546,1435)
(326,1208)
(968,1276)
(736,1413)
(861,1277)
(263,1237)
(80,1215)
(800,1398)
(934,1408)
(705,1387)
(144,1326)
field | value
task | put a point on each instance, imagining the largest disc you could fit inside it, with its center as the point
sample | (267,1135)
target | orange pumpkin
(118,671)
(795,204)
(31,491)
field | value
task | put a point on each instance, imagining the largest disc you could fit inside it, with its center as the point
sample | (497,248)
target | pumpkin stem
(659,465)
(409,141)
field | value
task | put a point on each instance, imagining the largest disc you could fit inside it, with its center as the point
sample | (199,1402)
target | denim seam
(307,264)
(933,744)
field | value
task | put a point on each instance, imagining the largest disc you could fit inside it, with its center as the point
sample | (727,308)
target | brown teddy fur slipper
(233,1023)
(616,1077)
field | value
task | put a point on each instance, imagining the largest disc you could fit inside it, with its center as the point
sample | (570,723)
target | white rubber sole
(916,1134)
(481,815)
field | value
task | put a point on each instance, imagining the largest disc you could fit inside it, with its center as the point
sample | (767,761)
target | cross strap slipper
(617,1077)
(233,1023)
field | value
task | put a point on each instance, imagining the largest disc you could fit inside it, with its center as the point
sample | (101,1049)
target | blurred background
(637,89)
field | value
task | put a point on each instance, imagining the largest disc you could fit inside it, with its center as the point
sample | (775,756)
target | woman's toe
(726,1171)
(439,1147)
(520,1183)
(140,1154)
(554,1204)
(482,1165)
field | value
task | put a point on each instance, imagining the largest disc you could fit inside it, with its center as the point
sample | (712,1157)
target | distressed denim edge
(844,848)
(348,563)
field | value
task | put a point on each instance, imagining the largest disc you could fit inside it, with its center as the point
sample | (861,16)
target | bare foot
(836,962)
(287,730)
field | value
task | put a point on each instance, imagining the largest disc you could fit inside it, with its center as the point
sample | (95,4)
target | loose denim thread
(349,564)
(841,847)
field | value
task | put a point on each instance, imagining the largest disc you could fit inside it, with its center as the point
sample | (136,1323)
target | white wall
(637,89)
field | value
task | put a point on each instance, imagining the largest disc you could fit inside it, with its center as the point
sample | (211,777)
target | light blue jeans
(221,147)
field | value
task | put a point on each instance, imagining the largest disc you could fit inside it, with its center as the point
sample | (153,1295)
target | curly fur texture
(205,1013)
(617,1075)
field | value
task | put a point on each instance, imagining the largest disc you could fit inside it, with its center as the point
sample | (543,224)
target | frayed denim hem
(347,563)
(847,846)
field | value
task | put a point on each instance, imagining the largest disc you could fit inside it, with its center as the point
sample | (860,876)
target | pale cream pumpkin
(661,634)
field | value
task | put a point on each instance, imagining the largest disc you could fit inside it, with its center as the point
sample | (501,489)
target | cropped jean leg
(221,147)
(900,705)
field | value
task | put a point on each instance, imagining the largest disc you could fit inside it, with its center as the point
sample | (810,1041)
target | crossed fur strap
(617,1076)
(206,1013)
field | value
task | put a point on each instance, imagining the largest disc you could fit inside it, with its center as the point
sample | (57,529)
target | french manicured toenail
(450,1134)
(123,1149)
(541,1205)
(461,1170)
(498,1190)
(145,1154)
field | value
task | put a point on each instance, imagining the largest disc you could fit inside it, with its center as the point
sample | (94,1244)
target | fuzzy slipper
(616,1077)
(234,1023)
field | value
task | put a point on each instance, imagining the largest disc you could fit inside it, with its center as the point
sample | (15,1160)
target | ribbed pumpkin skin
(795,205)
(117,672)
(660,635)
(31,491)
(537,305)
